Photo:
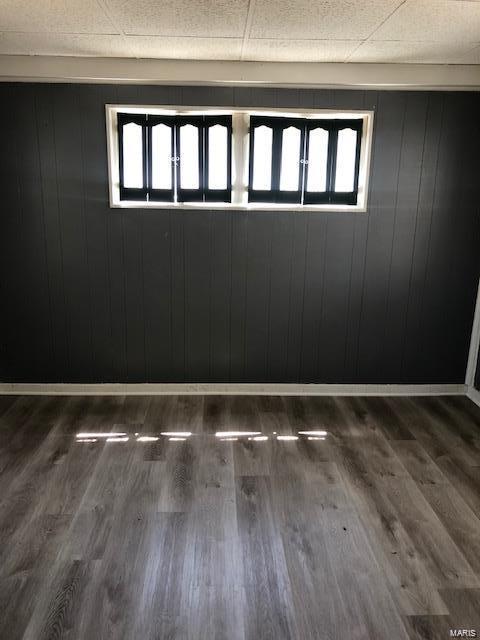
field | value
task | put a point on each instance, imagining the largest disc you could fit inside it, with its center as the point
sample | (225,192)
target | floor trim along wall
(235,389)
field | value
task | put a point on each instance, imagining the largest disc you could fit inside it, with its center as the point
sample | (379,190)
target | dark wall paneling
(48,204)
(157,295)
(313,293)
(279,294)
(390,116)
(453,247)
(238,296)
(10,216)
(220,295)
(403,232)
(69,153)
(412,348)
(177,297)
(198,294)
(93,294)
(257,302)
(294,338)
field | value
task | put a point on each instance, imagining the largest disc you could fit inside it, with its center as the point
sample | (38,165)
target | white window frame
(240,156)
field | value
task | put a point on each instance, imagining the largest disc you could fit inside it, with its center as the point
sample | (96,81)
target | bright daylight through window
(244,159)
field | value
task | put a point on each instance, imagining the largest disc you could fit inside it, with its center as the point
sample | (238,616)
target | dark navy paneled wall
(91,294)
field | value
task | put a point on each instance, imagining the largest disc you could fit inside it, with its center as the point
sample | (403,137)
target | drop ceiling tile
(185,48)
(299,50)
(415,52)
(433,20)
(322,19)
(60,44)
(207,18)
(67,16)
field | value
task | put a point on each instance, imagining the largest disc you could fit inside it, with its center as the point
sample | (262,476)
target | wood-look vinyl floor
(372,533)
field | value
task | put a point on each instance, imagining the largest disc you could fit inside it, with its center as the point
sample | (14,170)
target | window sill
(228,206)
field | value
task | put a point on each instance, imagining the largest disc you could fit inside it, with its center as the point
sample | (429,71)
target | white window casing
(240,157)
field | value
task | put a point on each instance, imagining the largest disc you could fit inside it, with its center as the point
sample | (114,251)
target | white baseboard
(474,395)
(235,389)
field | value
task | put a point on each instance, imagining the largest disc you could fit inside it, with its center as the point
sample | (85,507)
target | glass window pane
(289,171)
(161,157)
(317,160)
(345,167)
(262,158)
(217,157)
(189,169)
(132,156)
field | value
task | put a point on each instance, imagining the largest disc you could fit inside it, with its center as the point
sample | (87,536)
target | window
(238,158)
(174,158)
(304,161)
(276,156)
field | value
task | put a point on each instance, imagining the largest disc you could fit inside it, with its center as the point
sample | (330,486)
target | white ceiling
(408,31)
